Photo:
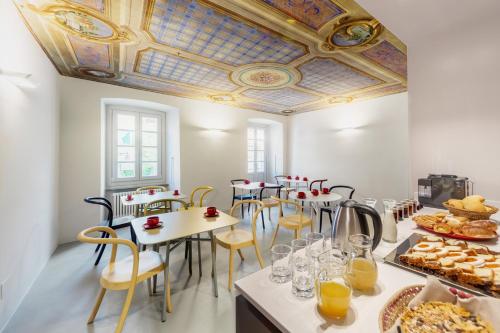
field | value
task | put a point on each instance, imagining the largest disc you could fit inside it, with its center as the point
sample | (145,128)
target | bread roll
(479,198)
(475,206)
(456,203)
(473,231)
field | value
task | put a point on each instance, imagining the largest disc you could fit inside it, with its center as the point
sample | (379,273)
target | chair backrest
(299,209)
(101,201)
(348,188)
(279,178)
(162,206)
(114,241)
(234,182)
(317,181)
(152,187)
(204,191)
(277,187)
(260,207)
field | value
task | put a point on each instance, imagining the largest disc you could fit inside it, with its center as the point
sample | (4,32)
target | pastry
(475,206)
(472,231)
(456,203)
(443,228)
(487,224)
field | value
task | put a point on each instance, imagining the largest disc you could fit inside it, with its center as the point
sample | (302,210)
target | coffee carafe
(350,219)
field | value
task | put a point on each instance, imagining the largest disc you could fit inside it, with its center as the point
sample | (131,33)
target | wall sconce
(17,78)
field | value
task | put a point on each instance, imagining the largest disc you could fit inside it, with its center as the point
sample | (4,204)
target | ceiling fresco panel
(98,5)
(287,96)
(90,53)
(388,56)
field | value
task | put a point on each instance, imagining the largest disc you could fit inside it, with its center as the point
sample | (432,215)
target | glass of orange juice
(333,291)
(362,270)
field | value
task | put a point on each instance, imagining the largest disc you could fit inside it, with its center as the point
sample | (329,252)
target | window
(135,142)
(256,150)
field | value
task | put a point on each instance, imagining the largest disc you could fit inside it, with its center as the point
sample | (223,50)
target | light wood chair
(201,192)
(295,222)
(236,239)
(162,206)
(139,211)
(126,273)
(269,202)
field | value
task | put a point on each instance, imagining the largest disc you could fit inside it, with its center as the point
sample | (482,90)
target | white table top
(293,180)
(319,198)
(180,224)
(252,186)
(290,314)
(144,198)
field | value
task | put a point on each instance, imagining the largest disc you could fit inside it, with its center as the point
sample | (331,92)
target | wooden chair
(126,273)
(287,190)
(162,206)
(295,222)
(269,202)
(330,210)
(236,239)
(109,219)
(139,211)
(241,196)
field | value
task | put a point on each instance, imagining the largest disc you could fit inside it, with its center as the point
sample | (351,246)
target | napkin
(436,291)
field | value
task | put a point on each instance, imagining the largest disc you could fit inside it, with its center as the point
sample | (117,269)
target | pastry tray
(393,259)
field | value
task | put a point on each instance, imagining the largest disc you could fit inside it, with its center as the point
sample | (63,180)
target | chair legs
(262,217)
(231,267)
(126,306)
(190,257)
(241,255)
(320,220)
(259,257)
(199,255)
(275,234)
(98,302)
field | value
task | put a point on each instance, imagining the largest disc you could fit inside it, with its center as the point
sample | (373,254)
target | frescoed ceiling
(265,55)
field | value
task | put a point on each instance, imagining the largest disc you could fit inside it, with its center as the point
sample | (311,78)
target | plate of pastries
(463,262)
(472,207)
(458,227)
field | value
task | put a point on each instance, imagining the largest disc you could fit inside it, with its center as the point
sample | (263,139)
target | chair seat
(247,196)
(268,202)
(233,238)
(117,276)
(293,221)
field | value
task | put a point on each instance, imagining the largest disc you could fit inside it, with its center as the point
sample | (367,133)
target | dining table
(178,226)
(316,201)
(141,199)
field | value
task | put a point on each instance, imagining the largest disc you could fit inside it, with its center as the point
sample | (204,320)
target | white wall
(372,155)
(207,157)
(454,85)
(29,127)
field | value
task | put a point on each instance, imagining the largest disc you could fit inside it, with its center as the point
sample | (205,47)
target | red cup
(211,211)
(301,195)
(297,178)
(288,177)
(262,184)
(153,220)
(130,197)
(315,192)
(305,179)
(325,190)
(176,192)
(246,181)
(151,192)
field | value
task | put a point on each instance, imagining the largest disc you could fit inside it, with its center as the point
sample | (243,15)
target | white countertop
(290,314)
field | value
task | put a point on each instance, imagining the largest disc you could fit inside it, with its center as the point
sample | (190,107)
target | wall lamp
(17,78)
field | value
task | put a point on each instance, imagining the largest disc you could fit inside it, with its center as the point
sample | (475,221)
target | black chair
(268,202)
(243,196)
(279,181)
(317,181)
(109,220)
(331,210)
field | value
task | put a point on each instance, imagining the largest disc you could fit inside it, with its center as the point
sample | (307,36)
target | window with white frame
(135,146)
(256,137)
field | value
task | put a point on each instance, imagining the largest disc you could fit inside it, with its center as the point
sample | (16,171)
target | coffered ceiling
(266,55)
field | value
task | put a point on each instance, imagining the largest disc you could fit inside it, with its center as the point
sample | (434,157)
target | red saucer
(215,215)
(148,227)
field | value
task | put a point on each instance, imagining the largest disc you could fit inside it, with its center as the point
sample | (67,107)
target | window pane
(260,156)
(260,145)
(251,134)
(251,167)
(150,169)
(126,138)
(125,121)
(260,166)
(149,154)
(260,133)
(250,156)
(126,170)
(126,154)
(251,144)
(149,139)
(149,124)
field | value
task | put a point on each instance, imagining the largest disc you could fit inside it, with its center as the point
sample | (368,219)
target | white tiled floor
(63,295)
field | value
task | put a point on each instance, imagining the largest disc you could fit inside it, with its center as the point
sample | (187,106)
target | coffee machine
(436,189)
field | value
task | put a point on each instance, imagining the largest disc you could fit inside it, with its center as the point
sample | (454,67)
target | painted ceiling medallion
(96,73)
(340,99)
(353,34)
(265,76)
(222,98)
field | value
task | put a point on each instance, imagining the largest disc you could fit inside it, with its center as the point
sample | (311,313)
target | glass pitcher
(389,227)
(361,267)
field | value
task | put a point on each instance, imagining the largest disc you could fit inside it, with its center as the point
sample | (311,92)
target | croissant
(473,231)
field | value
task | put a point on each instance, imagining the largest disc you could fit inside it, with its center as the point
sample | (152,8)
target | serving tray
(393,259)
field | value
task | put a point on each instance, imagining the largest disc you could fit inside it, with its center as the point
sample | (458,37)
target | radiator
(119,209)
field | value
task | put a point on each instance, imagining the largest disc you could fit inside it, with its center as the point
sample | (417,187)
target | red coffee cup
(151,192)
(129,197)
(297,178)
(301,195)
(315,192)
(211,211)
(305,179)
(288,177)
(153,220)
(246,181)
(176,192)
(262,184)
(325,190)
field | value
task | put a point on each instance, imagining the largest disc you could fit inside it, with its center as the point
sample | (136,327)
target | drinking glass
(333,291)
(302,270)
(315,244)
(280,257)
(370,202)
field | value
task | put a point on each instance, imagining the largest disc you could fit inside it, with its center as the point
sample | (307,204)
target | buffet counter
(264,306)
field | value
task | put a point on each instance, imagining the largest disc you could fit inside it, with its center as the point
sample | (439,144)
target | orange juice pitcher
(362,270)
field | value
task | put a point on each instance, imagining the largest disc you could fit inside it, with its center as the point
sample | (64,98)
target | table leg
(166,279)
(214,263)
